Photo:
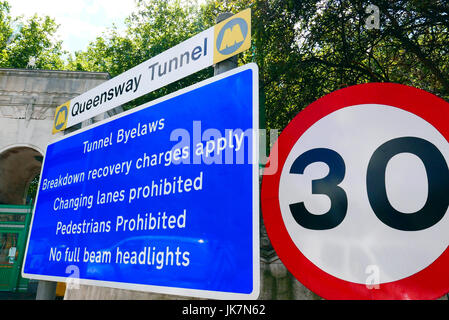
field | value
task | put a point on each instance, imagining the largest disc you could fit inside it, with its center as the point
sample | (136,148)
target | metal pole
(46,290)
(230,63)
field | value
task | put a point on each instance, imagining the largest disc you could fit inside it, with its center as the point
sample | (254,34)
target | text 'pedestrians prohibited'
(359,206)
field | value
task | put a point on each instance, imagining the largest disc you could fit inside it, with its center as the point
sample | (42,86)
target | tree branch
(397,32)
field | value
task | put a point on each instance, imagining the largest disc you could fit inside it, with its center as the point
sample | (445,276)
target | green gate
(14,225)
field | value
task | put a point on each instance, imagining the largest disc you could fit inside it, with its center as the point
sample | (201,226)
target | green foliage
(5,30)
(304,49)
(33,38)
(32,189)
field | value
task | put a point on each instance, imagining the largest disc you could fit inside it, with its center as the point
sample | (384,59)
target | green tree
(306,49)
(6,31)
(22,39)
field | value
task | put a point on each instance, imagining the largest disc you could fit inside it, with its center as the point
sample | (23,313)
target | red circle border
(429,283)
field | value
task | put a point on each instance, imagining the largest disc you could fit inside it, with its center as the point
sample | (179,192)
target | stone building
(28,99)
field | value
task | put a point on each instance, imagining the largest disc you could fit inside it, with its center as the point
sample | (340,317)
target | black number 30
(438,185)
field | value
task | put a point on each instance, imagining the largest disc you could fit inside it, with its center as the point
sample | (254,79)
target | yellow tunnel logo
(61,115)
(232,36)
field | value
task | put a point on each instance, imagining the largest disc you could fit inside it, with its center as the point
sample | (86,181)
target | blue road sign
(162,198)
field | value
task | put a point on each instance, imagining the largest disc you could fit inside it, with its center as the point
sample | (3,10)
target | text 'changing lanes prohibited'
(359,206)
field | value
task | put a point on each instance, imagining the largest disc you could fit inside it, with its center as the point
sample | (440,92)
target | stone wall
(28,99)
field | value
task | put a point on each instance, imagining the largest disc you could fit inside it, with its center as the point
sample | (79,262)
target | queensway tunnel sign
(162,198)
(211,46)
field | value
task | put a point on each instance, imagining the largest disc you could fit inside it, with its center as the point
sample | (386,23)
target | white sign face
(362,240)
(215,44)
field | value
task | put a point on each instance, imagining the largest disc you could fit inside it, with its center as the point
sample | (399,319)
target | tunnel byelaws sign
(161,198)
(220,42)
(358,208)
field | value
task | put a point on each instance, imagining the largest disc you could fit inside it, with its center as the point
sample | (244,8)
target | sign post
(161,198)
(358,208)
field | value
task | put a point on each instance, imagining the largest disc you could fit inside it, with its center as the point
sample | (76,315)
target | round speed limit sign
(358,206)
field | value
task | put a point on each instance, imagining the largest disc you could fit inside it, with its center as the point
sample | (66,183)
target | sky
(81,21)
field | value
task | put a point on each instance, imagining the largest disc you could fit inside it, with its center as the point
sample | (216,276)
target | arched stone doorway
(19,165)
